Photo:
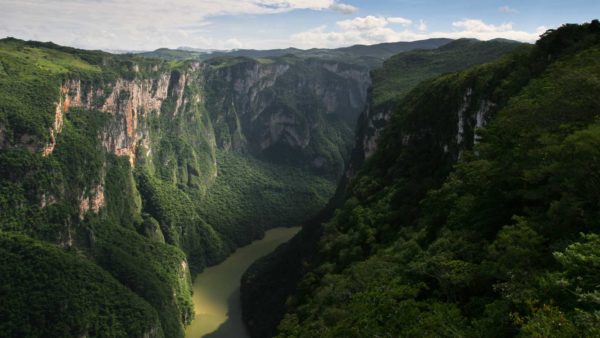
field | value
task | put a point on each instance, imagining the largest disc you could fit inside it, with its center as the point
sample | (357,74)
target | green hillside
(483,252)
(452,229)
(397,77)
(103,161)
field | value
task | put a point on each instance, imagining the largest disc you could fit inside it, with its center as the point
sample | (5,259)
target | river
(217,289)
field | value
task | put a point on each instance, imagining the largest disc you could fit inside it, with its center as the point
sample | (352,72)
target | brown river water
(217,289)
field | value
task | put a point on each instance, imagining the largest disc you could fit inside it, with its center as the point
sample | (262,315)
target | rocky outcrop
(443,131)
(131,105)
(129,101)
(303,107)
(473,114)
(401,73)
(62,106)
(91,200)
(375,123)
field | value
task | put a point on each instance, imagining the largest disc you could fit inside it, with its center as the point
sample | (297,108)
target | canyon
(144,165)
(443,187)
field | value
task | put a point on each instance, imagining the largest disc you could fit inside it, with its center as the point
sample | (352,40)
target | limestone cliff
(108,157)
(287,109)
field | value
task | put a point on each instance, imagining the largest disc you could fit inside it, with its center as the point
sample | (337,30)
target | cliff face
(444,133)
(169,123)
(110,156)
(130,107)
(287,110)
(131,104)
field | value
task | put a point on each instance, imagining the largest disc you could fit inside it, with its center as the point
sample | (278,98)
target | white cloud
(371,22)
(149,24)
(478,26)
(364,23)
(139,24)
(473,28)
(372,29)
(507,10)
(400,21)
(343,8)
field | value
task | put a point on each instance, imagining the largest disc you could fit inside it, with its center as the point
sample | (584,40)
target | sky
(265,24)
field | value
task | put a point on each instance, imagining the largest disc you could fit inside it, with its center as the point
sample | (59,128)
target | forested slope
(503,243)
(109,163)
(282,270)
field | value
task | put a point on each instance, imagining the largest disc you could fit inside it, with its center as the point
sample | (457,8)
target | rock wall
(299,111)
(128,101)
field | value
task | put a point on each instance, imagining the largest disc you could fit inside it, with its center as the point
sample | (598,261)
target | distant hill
(369,55)
(173,54)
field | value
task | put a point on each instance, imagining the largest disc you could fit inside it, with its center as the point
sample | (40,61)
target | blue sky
(261,24)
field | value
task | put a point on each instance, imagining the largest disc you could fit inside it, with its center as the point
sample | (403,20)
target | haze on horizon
(266,24)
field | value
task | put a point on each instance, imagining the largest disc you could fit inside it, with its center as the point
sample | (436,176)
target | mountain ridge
(369,55)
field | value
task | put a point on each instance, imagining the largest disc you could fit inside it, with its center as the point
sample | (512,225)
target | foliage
(155,271)
(402,72)
(139,225)
(428,130)
(179,221)
(40,196)
(491,246)
(253,110)
(250,196)
(47,291)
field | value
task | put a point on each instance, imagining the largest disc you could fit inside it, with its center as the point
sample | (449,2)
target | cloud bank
(150,24)
(377,29)
(343,8)
(139,24)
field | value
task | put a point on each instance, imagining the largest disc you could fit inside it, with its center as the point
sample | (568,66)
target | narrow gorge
(152,170)
(430,188)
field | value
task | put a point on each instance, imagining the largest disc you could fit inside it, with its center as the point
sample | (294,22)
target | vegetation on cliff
(505,242)
(260,196)
(47,291)
(109,164)
(476,216)
(391,83)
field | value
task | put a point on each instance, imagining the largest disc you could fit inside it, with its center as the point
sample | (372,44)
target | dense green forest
(259,196)
(49,292)
(470,206)
(112,187)
(393,81)
(403,72)
(452,229)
